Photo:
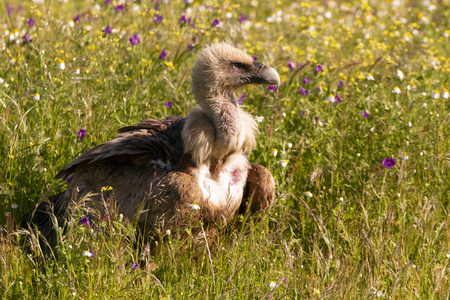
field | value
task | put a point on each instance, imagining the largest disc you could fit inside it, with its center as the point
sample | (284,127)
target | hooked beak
(264,75)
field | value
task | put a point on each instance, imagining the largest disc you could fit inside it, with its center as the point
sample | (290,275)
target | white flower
(71,23)
(289,145)
(259,119)
(120,218)
(194,206)
(61,65)
(14,205)
(445,93)
(77,71)
(358,154)
(425,105)
(228,15)
(405,156)
(400,74)
(283,163)
(36,96)
(396,90)
(308,194)
(272,284)
(274,152)
(331,98)
(87,253)
(409,124)
(369,76)
(168,232)
(435,94)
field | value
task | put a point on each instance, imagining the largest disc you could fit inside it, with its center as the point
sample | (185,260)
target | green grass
(366,232)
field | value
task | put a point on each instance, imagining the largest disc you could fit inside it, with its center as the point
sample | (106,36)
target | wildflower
(183,18)
(14,205)
(284,163)
(30,22)
(445,93)
(272,284)
(88,253)
(289,145)
(69,179)
(107,2)
(291,65)
(331,98)
(107,30)
(194,206)
(369,77)
(168,232)
(318,69)
(81,133)
(273,88)
(388,162)
(274,152)
(241,98)
(9,9)
(107,188)
(119,8)
(120,218)
(163,55)
(77,71)
(61,64)
(259,119)
(134,40)
(26,38)
(242,18)
(435,94)
(77,18)
(215,23)
(254,58)
(157,18)
(36,96)
(338,98)
(169,104)
(304,92)
(341,84)
(400,74)
(405,156)
(365,114)
(134,266)
(308,194)
(396,90)
(71,23)
(85,221)
(306,80)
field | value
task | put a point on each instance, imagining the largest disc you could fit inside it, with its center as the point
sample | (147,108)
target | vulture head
(221,69)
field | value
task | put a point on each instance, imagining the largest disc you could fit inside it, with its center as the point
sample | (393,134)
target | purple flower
(254,58)
(316,118)
(291,65)
(119,8)
(318,69)
(388,162)
(134,40)
(27,38)
(306,80)
(215,22)
(304,92)
(365,114)
(169,104)
(241,98)
(338,98)
(69,179)
(190,47)
(85,221)
(9,9)
(107,2)
(81,133)
(163,55)
(134,266)
(76,19)
(157,19)
(340,84)
(30,22)
(273,88)
(107,30)
(242,18)
(183,18)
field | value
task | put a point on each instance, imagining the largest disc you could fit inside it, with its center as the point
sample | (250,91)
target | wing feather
(150,140)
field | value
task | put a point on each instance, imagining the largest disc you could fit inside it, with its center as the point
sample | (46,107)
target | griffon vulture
(160,170)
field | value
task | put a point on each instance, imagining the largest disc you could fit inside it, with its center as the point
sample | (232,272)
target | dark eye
(234,66)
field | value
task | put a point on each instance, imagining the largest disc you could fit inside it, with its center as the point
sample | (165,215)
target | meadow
(357,138)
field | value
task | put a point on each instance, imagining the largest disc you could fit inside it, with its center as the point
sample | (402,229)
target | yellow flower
(106,188)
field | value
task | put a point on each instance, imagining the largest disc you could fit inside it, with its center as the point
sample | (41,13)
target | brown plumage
(161,169)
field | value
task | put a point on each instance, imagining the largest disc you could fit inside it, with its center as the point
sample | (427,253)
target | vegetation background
(364,82)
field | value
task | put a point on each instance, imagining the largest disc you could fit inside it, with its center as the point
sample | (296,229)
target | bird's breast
(223,188)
